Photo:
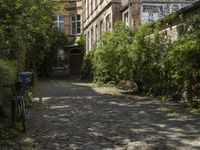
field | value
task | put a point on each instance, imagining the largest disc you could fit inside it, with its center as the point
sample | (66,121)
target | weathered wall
(176,24)
(154,11)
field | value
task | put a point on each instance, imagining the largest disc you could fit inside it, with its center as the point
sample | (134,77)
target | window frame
(75,22)
(58,22)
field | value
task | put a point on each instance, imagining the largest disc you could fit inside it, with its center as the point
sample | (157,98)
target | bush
(111,59)
(7,75)
(7,71)
(183,60)
(147,52)
(146,56)
(86,72)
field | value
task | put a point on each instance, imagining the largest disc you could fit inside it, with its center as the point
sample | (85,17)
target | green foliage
(8,130)
(7,75)
(86,72)
(184,61)
(82,44)
(147,50)
(27,28)
(147,56)
(7,71)
(111,59)
(29,40)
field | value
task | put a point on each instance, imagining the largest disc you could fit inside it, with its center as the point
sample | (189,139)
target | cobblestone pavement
(71,115)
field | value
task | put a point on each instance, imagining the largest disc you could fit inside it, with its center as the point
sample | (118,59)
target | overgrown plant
(111,60)
(147,52)
(29,39)
(148,57)
(184,61)
(28,31)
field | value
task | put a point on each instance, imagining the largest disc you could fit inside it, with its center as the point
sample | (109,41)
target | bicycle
(19,90)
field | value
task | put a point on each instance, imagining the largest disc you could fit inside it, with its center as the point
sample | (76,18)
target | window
(60,22)
(101,28)
(126,19)
(60,60)
(92,38)
(95,4)
(96,33)
(88,41)
(108,23)
(75,24)
(91,6)
(87,8)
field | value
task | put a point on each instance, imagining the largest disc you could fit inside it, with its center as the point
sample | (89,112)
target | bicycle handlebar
(17,88)
(7,85)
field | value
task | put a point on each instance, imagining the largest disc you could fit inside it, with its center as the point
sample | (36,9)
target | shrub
(7,71)
(184,61)
(86,71)
(111,59)
(146,56)
(7,75)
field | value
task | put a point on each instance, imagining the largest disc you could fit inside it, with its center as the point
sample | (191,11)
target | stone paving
(69,115)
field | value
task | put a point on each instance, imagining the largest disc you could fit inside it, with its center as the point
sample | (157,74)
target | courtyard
(67,114)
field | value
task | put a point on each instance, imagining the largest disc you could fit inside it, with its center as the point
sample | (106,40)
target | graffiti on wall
(153,12)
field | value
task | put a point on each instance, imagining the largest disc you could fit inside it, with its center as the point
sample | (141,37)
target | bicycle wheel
(23,115)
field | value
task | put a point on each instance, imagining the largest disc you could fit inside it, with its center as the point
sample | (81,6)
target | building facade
(93,17)
(137,12)
(69,20)
(73,24)
(99,16)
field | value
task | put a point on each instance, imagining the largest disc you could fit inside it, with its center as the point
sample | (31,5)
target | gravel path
(72,115)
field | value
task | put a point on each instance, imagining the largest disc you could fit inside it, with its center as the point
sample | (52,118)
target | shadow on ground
(72,115)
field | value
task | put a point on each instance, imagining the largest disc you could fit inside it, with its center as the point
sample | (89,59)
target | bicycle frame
(18,101)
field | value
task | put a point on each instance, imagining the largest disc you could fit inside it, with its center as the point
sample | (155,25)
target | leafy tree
(29,38)
(28,26)
(111,59)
